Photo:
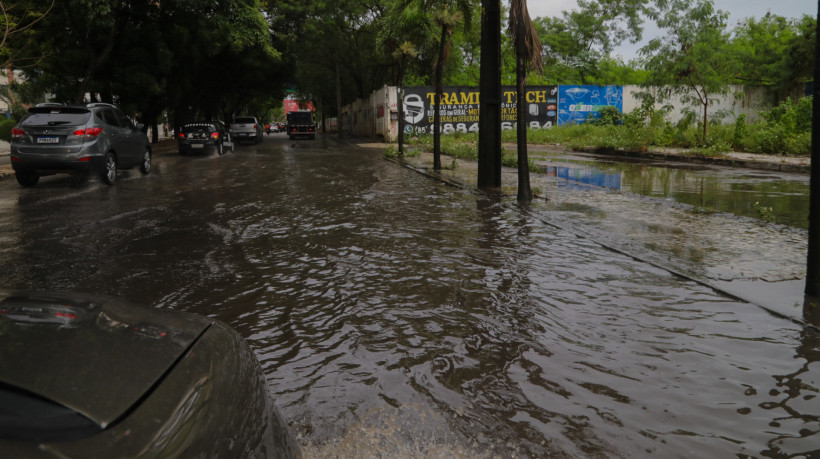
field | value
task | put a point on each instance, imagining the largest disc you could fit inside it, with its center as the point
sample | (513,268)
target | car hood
(95,355)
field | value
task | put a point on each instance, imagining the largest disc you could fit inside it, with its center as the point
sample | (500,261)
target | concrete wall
(373,117)
(377,115)
(740,99)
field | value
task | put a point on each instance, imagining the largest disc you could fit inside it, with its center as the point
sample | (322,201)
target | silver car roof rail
(50,104)
(99,104)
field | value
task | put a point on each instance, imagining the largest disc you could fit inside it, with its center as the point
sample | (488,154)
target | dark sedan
(206,137)
(91,376)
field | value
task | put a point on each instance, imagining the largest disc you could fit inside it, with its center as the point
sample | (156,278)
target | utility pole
(811,307)
(339,124)
(489,122)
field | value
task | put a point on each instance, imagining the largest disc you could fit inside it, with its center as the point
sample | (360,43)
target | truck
(300,123)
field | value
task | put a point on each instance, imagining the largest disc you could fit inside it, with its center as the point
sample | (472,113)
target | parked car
(209,137)
(93,376)
(246,128)
(94,138)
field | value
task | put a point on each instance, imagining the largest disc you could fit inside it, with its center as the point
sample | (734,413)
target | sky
(737,9)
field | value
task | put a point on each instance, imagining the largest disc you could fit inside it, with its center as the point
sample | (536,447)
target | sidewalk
(758,262)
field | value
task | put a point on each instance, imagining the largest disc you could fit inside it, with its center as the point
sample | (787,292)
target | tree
(404,28)
(205,59)
(576,45)
(18,20)
(528,53)
(690,60)
(774,51)
(446,19)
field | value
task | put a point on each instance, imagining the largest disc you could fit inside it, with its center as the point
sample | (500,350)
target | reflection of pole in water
(793,390)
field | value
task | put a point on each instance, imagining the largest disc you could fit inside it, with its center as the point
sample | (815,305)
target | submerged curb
(655,259)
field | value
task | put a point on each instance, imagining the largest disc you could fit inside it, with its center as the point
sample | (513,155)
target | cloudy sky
(737,9)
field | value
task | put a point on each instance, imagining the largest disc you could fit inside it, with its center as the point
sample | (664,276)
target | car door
(115,135)
(133,139)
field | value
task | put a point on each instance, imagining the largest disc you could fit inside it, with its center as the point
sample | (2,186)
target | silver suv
(246,128)
(94,138)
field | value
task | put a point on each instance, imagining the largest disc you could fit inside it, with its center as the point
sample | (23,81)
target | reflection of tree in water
(797,390)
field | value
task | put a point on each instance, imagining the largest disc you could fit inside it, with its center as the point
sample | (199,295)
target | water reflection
(588,176)
(780,197)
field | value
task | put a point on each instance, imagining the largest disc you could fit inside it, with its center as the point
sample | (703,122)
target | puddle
(772,196)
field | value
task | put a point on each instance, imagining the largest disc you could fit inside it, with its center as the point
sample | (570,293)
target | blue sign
(578,104)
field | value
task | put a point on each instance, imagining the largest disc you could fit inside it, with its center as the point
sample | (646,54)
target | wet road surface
(399,317)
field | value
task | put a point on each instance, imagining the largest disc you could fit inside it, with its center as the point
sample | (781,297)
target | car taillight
(181,135)
(255,126)
(89,133)
(84,159)
(215,135)
(17,133)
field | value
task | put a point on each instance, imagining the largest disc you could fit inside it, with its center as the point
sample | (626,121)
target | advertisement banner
(579,104)
(460,108)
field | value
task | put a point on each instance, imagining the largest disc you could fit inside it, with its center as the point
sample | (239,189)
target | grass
(761,137)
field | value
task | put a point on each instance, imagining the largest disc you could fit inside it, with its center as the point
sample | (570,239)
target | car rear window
(197,128)
(244,120)
(54,116)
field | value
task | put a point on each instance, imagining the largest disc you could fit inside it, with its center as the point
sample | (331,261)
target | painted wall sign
(460,108)
(579,104)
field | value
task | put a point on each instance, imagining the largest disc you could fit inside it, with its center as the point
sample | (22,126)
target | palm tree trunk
(339,124)
(439,76)
(400,101)
(524,190)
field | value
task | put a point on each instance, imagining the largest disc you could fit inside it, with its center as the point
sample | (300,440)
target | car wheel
(108,174)
(232,143)
(145,167)
(27,178)
(219,148)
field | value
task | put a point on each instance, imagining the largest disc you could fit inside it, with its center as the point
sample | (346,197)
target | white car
(244,128)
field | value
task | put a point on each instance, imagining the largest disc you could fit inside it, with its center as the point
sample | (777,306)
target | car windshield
(52,116)
(243,120)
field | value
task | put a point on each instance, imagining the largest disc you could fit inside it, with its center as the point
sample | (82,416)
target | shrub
(741,131)
(608,116)
(5,129)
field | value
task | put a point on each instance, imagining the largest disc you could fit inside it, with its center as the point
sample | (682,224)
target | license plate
(197,145)
(48,140)
(243,134)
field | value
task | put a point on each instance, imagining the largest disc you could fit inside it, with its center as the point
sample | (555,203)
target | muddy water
(771,196)
(396,317)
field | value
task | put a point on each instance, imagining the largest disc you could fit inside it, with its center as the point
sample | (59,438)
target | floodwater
(398,317)
(774,196)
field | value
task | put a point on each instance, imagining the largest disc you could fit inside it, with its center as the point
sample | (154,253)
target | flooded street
(399,317)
